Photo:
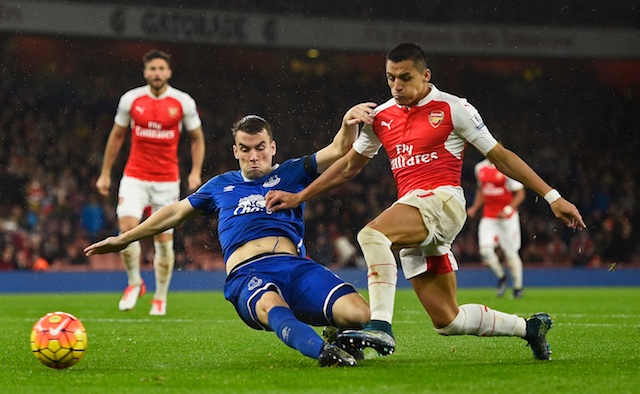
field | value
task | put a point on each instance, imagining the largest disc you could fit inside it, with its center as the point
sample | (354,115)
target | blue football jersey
(241,205)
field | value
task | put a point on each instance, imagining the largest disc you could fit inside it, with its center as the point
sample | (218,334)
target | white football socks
(515,266)
(382,273)
(163,263)
(480,320)
(131,259)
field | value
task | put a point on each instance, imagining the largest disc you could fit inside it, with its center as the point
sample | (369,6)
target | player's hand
(103,184)
(194,181)
(471,212)
(360,113)
(277,200)
(568,213)
(108,245)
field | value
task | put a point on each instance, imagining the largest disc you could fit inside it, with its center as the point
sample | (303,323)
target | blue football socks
(295,333)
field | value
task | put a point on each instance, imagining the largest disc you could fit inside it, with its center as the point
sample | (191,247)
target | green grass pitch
(201,346)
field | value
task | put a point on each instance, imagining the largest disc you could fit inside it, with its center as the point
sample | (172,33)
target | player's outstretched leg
(373,336)
(303,338)
(537,327)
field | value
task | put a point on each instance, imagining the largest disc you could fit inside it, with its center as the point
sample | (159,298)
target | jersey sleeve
(468,123)
(202,199)
(513,185)
(191,118)
(123,111)
(367,144)
(311,165)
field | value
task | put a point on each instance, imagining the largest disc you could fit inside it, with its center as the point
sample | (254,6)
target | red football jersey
(426,142)
(156,124)
(497,188)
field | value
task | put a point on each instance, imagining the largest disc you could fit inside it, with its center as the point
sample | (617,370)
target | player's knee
(164,249)
(369,235)
(512,257)
(360,314)
(351,311)
(269,300)
(488,253)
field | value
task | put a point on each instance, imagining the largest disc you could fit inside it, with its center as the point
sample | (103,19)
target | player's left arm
(346,136)
(514,167)
(197,158)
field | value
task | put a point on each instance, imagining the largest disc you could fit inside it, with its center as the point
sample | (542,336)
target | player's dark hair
(156,54)
(252,124)
(408,51)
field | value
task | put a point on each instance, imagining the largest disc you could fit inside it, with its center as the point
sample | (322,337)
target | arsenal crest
(436,118)
(173,112)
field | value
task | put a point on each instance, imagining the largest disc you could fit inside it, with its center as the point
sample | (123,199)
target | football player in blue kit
(270,281)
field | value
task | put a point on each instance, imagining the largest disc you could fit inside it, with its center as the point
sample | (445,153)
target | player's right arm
(168,217)
(346,136)
(114,144)
(341,167)
(343,170)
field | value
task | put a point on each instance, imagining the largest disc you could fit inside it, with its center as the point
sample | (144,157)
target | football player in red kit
(156,114)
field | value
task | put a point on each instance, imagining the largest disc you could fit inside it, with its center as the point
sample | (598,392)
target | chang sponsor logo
(251,204)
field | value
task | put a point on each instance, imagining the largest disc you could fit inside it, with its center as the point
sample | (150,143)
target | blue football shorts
(309,288)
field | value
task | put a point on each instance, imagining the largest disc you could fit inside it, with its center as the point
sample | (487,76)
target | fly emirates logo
(406,157)
(154,130)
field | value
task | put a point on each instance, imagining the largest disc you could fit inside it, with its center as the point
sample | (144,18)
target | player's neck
(158,91)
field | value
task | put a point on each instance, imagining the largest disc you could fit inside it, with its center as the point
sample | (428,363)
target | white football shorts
(135,195)
(443,216)
(505,233)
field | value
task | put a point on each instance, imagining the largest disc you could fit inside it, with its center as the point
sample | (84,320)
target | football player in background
(157,114)
(500,223)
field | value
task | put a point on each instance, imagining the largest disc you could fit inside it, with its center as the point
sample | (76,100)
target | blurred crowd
(577,132)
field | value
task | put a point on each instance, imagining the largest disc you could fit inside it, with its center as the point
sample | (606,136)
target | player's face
(254,153)
(157,73)
(408,84)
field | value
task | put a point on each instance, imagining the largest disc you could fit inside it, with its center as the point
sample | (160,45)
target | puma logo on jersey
(386,124)
(139,109)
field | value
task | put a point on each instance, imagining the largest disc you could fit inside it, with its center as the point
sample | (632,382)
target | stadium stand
(569,119)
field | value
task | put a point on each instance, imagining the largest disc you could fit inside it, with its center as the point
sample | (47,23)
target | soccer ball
(58,340)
